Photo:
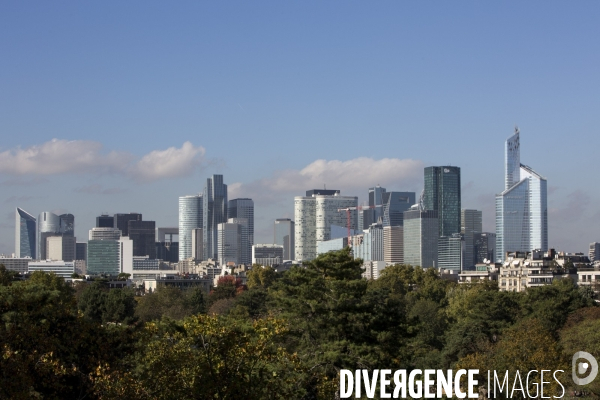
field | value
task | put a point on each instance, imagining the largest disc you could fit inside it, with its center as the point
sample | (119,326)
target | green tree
(119,306)
(7,276)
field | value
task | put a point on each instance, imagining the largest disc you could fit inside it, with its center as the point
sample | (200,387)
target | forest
(280,335)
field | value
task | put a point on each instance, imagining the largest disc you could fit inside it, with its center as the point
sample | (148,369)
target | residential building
(25,233)
(470,225)
(267,254)
(522,270)
(284,236)
(442,194)
(522,208)
(214,212)
(421,232)
(190,218)
(315,216)
(594,253)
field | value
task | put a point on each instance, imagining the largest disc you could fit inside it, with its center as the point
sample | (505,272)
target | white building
(190,218)
(315,214)
(104,234)
(60,248)
(267,254)
(522,208)
(63,269)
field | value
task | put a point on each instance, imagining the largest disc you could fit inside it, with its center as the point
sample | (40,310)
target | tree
(260,276)
(7,276)
(170,302)
(119,306)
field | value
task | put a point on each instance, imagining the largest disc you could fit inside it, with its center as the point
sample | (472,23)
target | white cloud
(352,177)
(167,163)
(84,156)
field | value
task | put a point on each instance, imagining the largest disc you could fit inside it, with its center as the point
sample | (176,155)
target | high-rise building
(244,209)
(442,194)
(60,248)
(105,221)
(197,244)
(450,252)
(167,246)
(104,234)
(594,251)
(214,213)
(284,236)
(394,205)
(49,224)
(393,244)
(143,234)
(376,200)
(109,256)
(522,208)
(190,218)
(25,227)
(229,242)
(470,224)
(421,233)
(121,221)
(245,247)
(485,247)
(267,254)
(81,251)
(315,215)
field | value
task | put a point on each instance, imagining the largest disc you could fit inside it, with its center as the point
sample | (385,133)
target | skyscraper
(315,215)
(48,224)
(121,221)
(284,236)
(442,194)
(450,252)
(394,205)
(143,235)
(522,208)
(214,213)
(105,221)
(421,229)
(393,244)
(470,224)
(244,208)
(245,249)
(594,251)
(25,226)
(190,218)
(229,241)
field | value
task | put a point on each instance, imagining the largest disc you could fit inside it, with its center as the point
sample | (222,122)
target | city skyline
(369,95)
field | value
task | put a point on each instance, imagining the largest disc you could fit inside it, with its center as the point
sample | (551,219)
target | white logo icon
(583,367)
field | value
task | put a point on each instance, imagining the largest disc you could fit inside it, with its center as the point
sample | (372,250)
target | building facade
(283,233)
(214,212)
(594,252)
(421,229)
(470,225)
(60,248)
(229,243)
(522,208)
(267,254)
(394,205)
(143,235)
(244,209)
(190,218)
(442,194)
(48,224)
(25,234)
(104,234)
(121,221)
(451,252)
(393,244)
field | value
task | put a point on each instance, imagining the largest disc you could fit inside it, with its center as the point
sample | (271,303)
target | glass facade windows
(442,194)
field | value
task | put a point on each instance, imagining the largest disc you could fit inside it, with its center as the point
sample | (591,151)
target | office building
(322,192)
(68,224)
(109,256)
(376,201)
(17,264)
(81,251)
(60,248)
(315,215)
(197,244)
(284,236)
(104,234)
(243,209)
(377,241)
(470,224)
(522,208)
(394,205)
(121,222)
(485,247)
(105,221)
(25,232)
(214,213)
(190,218)
(421,229)
(48,224)
(167,251)
(267,254)
(450,252)
(170,234)
(332,245)
(143,235)
(64,269)
(594,251)
(442,194)
(229,243)
(393,244)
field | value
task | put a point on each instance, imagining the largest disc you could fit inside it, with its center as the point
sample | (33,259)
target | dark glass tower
(394,205)
(25,228)
(442,194)
(244,208)
(121,221)
(214,213)
(105,221)
(143,234)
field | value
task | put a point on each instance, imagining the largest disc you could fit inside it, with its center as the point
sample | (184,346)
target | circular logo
(583,367)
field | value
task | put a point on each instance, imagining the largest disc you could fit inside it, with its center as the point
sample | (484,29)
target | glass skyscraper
(214,213)
(394,205)
(522,208)
(25,225)
(442,194)
(190,218)
(244,208)
(48,224)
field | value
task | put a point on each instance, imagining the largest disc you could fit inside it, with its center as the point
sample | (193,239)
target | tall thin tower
(214,213)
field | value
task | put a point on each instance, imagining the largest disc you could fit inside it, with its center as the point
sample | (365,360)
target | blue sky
(259,91)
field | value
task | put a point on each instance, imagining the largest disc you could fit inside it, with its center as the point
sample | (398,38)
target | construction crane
(348,219)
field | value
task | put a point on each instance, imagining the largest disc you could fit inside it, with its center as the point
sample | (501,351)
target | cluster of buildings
(215,235)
